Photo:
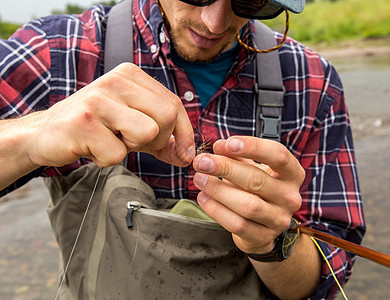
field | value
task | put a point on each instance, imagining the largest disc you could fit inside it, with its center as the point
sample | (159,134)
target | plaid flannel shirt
(50,58)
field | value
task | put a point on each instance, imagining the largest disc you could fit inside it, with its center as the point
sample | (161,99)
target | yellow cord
(330,268)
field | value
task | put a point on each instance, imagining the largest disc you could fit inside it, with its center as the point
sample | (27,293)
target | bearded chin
(193,54)
(199,55)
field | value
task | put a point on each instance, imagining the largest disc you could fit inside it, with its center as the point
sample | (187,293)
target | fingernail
(200,179)
(202,198)
(191,152)
(206,164)
(236,145)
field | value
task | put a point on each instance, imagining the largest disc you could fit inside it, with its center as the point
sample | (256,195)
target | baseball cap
(296,6)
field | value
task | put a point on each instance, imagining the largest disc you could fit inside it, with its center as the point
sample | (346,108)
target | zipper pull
(131,207)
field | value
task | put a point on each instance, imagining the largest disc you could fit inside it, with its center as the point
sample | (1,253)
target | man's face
(201,33)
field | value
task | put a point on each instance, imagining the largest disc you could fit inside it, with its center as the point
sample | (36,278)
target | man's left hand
(258,193)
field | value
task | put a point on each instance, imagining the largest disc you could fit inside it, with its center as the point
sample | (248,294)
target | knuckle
(119,77)
(302,175)
(240,227)
(172,102)
(128,68)
(252,209)
(256,182)
(282,155)
(170,115)
(293,201)
(284,223)
(296,202)
(168,109)
(111,81)
(150,132)
(93,101)
(224,169)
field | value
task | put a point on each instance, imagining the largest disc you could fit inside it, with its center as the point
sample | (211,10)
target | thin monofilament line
(78,235)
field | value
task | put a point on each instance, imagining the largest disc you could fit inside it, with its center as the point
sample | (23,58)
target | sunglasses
(248,9)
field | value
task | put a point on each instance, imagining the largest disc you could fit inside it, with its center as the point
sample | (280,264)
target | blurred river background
(29,254)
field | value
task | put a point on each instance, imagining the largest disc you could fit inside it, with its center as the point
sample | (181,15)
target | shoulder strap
(119,39)
(269,87)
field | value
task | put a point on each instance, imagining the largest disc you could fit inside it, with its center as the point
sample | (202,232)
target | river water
(28,251)
(367,88)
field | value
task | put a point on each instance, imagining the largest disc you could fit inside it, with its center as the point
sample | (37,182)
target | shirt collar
(150,24)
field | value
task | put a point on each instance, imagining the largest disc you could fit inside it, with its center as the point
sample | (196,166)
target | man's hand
(124,110)
(253,201)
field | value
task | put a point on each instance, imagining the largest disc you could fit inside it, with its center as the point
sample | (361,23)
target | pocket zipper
(132,206)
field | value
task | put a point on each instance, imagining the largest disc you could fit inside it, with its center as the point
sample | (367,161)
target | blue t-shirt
(207,78)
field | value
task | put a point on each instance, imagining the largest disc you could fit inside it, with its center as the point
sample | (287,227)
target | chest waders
(132,245)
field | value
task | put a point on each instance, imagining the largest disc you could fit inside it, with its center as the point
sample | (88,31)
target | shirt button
(162,37)
(153,48)
(189,96)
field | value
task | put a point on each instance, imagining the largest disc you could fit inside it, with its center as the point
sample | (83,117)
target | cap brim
(296,6)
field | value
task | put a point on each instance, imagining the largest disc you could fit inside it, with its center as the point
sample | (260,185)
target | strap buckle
(270,127)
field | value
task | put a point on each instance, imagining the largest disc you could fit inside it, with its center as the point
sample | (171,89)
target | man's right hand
(124,110)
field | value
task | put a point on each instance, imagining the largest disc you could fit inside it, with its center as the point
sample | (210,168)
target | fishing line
(78,234)
(330,268)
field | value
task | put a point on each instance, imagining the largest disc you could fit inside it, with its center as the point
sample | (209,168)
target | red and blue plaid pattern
(51,58)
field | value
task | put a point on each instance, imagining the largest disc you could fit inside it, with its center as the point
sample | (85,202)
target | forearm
(298,276)
(15,143)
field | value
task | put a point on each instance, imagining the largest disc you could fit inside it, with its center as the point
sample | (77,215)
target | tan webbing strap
(269,87)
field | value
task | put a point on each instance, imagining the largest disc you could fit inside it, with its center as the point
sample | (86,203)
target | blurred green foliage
(330,22)
(6,29)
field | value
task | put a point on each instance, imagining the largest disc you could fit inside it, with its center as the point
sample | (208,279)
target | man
(128,111)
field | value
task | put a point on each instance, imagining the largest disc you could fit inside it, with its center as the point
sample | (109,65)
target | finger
(251,179)
(268,152)
(245,204)
(169,154)
(219,148)
(256,236)
(184,136)
(99,143)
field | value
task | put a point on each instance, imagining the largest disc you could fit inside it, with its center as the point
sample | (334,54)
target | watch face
(289,239)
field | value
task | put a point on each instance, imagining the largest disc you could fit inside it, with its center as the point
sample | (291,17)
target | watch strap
(272,255)
(276,254)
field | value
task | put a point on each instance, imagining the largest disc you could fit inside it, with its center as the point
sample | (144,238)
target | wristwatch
(284,245)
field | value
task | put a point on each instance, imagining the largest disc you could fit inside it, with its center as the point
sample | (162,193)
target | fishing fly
(205,146)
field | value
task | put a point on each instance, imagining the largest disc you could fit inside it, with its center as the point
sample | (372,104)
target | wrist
(17,143)
(283,245)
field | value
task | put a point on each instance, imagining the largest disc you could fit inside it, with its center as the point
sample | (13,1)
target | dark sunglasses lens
(256,9)
(198,2)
